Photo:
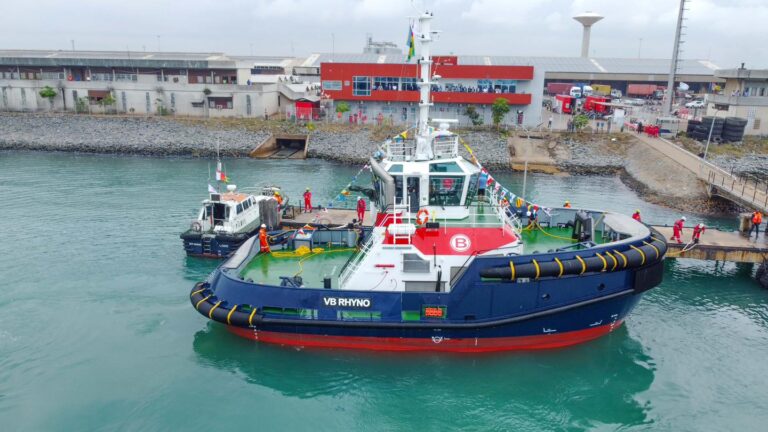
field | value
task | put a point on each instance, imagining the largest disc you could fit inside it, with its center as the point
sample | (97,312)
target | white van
(575,92)
(587,91)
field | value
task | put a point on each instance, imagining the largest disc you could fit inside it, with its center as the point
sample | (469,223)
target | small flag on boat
(411,44)
(211,189)
(220,175)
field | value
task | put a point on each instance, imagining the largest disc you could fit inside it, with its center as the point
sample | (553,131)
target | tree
(473,115)
(342,107)
(499,109)
(107,101)
(48,93)
(580,121)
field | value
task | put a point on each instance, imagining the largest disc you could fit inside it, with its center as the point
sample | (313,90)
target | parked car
(695,104)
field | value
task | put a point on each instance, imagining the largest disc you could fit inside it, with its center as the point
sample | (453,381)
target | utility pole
(667,108)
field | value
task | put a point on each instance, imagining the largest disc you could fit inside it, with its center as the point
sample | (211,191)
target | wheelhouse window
(445,190)
(444,167)
(361,86)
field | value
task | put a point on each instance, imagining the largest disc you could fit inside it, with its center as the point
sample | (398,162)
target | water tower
(586,19)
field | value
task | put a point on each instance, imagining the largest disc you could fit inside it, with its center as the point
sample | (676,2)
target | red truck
(596,104)
(559,88)
(564,104)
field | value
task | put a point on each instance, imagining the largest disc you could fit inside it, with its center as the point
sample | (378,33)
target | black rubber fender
(203,300)
(589,262)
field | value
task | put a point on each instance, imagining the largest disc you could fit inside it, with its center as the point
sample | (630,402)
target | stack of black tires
(733,130)
(730,129)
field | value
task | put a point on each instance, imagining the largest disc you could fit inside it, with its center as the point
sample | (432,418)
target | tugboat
(226,220)
(446,266)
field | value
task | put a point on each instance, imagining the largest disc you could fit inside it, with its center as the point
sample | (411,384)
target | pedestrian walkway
(746,193)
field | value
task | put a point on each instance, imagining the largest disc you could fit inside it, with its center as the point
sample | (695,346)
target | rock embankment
(121,135)
(357,146)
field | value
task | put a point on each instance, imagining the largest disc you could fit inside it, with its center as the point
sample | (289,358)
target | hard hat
(683,218)
(637,210)
(277,192)
(359,198)
(263,226)
(307,188)
(567,202)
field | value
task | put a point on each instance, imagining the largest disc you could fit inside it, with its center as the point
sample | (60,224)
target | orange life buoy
(422,217)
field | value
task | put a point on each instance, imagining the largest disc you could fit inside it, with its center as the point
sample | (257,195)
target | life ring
(70,78)
(422,217)
(196,226)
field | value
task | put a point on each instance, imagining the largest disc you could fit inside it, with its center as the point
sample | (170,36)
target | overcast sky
(726,32)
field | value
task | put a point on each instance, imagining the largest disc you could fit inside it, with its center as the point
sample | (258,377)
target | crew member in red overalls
(636,216)
(307,201)
(263,239)
(360,209)
(697,231)
(677,230)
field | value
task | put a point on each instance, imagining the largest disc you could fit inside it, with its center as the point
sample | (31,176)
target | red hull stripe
(544,341)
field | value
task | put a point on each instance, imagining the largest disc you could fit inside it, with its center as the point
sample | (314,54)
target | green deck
(267,268)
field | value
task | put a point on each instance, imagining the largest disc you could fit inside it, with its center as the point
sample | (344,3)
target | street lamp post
(709,137)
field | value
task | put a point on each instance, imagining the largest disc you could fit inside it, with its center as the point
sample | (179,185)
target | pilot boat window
(219,212)
(246,204)
(396,168)
(446,167)
(445,190)
(398,189)
(239,208)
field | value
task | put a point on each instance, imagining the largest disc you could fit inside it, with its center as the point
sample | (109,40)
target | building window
(386,83)
(23,98)
(125,101)
(149,109)
(220,102)
(173,101)
(248,104)
(332,85)
(362,86)
(505,86)
(410,84)
(485,86)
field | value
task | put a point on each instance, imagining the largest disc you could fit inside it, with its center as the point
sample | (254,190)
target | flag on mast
(411,44)
(212,189)
(220,175)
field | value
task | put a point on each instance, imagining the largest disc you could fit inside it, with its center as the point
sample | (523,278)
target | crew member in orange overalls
(697,231)
(677,230)
(757,219)
(567,204)
(307,201)
(360,209)
(263,239)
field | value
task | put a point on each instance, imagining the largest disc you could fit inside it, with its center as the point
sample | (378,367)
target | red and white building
(384,88)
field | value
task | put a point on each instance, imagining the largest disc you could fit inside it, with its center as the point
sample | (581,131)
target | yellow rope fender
(197,306)
(198,291)
(210,312)
(654,248)
(605,263)
(560,264)
(512,269)
(250,318)
(583,264)
(623,257)
(615,261)
(538,269)
(640,251)
(229,315)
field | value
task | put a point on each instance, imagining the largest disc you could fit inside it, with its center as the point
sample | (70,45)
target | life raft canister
(422,217)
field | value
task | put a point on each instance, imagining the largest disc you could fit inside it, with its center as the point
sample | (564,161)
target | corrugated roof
(549,64)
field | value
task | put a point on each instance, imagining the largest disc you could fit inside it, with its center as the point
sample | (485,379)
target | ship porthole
(545,296)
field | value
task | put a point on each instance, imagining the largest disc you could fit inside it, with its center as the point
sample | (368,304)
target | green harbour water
(97,332)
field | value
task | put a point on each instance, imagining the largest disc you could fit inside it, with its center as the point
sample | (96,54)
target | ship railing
(399,151)
(355,260)
(445,147)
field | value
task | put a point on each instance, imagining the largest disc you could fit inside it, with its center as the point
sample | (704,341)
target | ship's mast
(423,145)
